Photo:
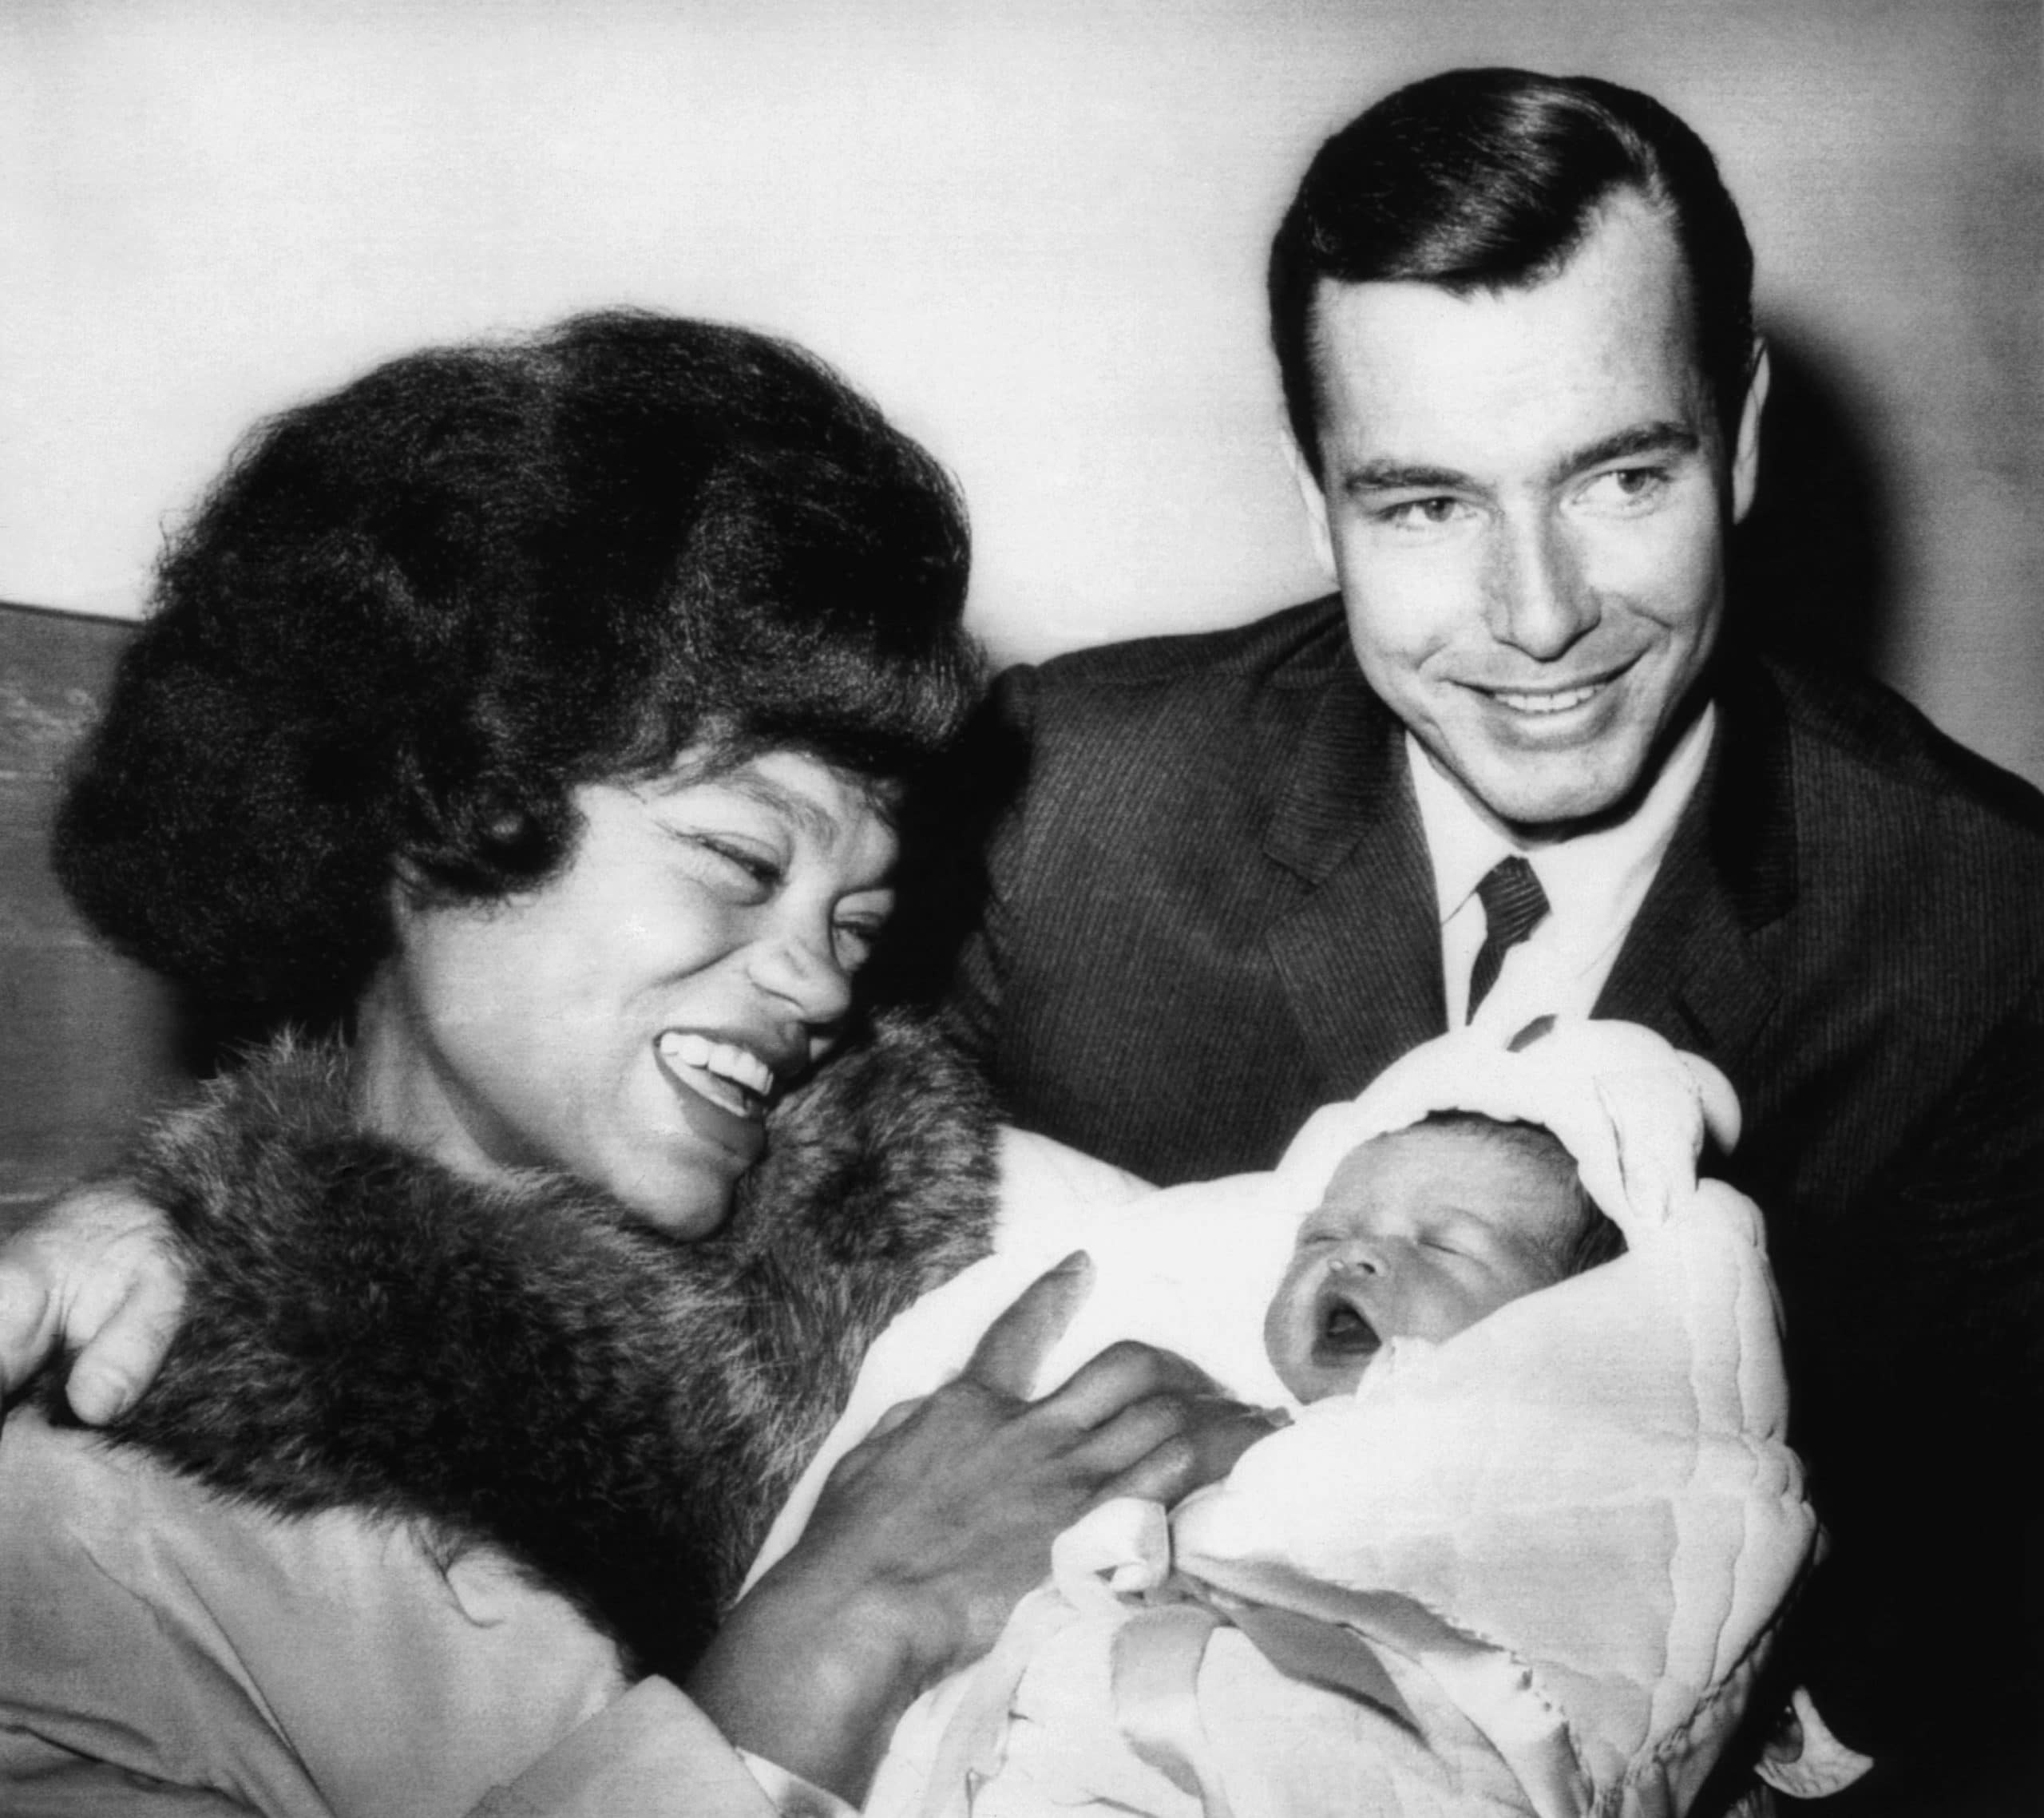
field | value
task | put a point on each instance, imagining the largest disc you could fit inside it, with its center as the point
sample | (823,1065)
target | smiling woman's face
(629,1020)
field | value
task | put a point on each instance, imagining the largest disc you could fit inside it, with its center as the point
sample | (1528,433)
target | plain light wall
(1034,231)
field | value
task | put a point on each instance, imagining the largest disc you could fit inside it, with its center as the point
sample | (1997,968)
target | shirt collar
(1580,875)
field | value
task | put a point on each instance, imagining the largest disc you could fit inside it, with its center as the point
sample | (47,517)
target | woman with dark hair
(525,726)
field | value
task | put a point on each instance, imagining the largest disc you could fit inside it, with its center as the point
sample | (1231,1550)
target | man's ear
(1315,501)
(1746,446)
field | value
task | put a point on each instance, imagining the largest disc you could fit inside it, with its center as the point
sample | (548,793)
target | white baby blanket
(1532,1569)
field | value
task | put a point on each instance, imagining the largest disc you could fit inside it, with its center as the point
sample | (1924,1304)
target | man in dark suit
(1516,766)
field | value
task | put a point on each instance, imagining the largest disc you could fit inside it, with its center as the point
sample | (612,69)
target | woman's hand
(96,1273)
(929,1532)
(950,1505)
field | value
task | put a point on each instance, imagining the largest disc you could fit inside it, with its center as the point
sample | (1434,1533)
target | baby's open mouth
(1343,1332)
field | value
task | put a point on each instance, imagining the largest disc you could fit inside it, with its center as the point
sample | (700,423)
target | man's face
(1524,496)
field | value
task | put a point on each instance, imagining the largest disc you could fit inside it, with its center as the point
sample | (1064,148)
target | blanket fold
(1535,1568)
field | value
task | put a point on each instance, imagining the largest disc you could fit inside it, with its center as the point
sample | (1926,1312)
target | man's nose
(1539,600)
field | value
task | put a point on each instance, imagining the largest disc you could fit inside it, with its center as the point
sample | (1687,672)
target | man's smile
(1567,710)
(1558,700)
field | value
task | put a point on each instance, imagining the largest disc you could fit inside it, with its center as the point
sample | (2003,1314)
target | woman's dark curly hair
(413,615)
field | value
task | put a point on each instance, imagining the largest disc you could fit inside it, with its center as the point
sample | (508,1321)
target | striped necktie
(1513,904)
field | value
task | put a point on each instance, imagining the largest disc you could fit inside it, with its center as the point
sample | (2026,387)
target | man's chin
(1556,797)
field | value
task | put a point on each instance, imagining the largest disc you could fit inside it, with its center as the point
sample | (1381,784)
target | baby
(1522,1543)
(1421,1232)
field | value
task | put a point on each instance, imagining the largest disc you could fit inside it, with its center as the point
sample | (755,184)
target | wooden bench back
(87,1041)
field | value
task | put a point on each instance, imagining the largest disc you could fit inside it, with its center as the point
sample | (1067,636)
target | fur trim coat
(524,1365)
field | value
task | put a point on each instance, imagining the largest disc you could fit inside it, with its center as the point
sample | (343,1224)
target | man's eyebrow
(1663,437)
(1402,477)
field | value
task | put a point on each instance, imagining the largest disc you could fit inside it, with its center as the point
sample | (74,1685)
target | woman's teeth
(1546,703)
(746,1080)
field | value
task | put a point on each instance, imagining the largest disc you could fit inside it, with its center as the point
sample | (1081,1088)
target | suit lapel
(1689,968)
(1360,956)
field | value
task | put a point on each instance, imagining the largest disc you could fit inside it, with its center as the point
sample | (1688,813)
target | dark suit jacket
(1213,910)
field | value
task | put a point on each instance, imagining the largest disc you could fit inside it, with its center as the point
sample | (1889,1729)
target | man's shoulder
(1911,857)
(1873,758)
(1183,744)
(1302,646)
(1199,701)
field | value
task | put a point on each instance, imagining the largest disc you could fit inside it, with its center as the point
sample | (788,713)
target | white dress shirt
(1594,884)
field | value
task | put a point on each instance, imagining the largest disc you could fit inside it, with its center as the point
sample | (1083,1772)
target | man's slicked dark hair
(415,615)
(1486,179)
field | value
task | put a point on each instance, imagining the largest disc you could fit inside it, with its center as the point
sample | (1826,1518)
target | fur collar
(522,1365)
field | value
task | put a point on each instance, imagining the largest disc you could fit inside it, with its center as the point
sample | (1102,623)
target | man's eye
(1421,514)
(1624,486)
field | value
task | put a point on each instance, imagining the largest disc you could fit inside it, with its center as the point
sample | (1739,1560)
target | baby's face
(1421,1235)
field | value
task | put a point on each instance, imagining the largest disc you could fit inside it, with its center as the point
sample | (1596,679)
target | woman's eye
(855,942)
(1421,514)
(754,870)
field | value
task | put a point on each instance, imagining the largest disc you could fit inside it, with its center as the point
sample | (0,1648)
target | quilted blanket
(1535,1568)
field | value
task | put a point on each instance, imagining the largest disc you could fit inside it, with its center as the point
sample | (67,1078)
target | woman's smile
(724,1071)
(724,1087)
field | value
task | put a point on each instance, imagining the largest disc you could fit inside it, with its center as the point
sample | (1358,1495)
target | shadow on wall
(1813,567)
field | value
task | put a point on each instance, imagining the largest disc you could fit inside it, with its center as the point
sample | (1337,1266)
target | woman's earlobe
(405,893)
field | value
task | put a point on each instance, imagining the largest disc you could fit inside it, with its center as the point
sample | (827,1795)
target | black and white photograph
(1022,910)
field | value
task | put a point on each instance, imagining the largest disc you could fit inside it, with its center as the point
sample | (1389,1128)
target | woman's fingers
(944,1515)
(95,1272)
(122,1356)
(1211,1435)
(28,1316)
(1157,1426)
(1006,1358)
(1122,1374)
(894,1416)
